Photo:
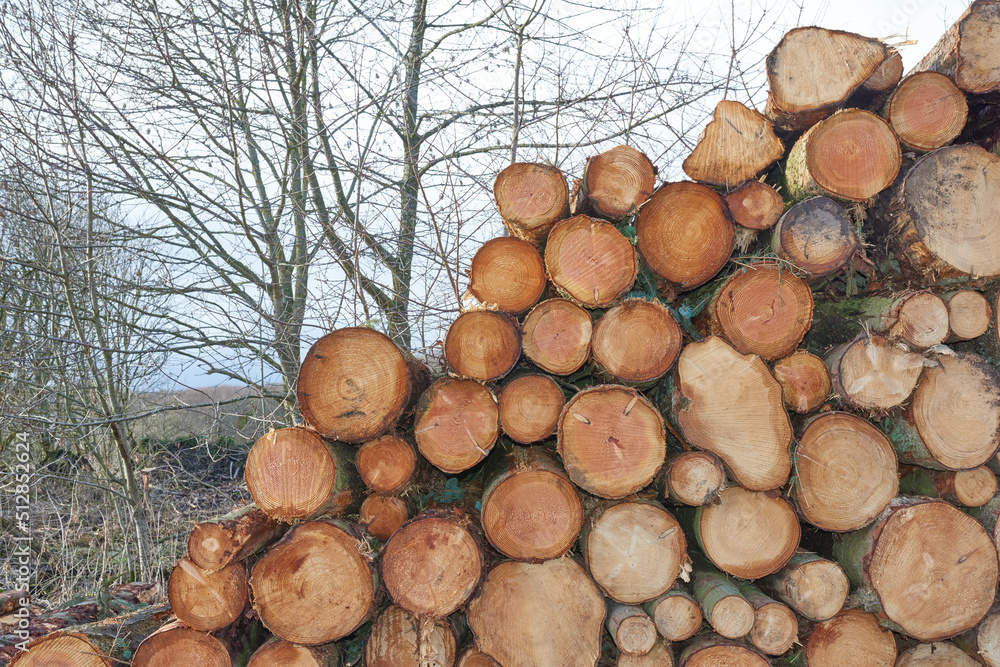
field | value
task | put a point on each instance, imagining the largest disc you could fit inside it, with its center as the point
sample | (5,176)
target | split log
(852,637)
(936,654)
(531,198)
(456,423)
(927,111)
(763,309)
(634,550)
(557,335)
(737,144)
(398,639)
(685,235)
(967,52)
(968,488)
(611,440)
(852,155)
(816,237)
(317,565)
(508,274)
(846,472)
(814,587)
(432,564)
(953,420)
(969,314)
(386,464)
(755,205)
(482,344)
(722,604)
(286,654)
(618,181)
(870,373)
(659,656)
(382,515)
(805,381)
(748,534)
(214,544)
(883,80)
(176,644)
(775,627)
(207,601)
(943,218)
(590,261)
(508,618)
(632,631)
(693,477)
(676,614)
(354,384)
(637,341)
(812,72)
(292,473)
(530,509)
(933,568)
(473,657)
(711,650)
(529,407)
(729,404)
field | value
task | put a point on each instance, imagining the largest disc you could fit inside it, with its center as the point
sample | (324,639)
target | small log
(659,656)
(953,419)
(968,488)
(852,637)
(927,111)
(482,344)
(292,474)
(508,274)
(812,72)
(634,550)
(637,341)
(870,373)
(382,515)
(737,144)
(456,423)
(685,235)
(775,626)
(207,601)
(214,544)
(852,155)
(618,181)
(676,614)
(279,652)
(919,318)
(508,618)
(763,309)
(432,565)
(530,509)
(557,335)
(805,381)
(729,404)
(710,650)
(693,477)
(969,314)
(936,654)
(611,440)
(755,205)
(933,568)
(317,565)
(398,639)
(885,77)
(722,604)
(473,657)
(590,261)
(529,408)
(967,52)
(816,237)
(354,384)
(631,629)
(814,587)
(988,639)
(176,644)
(386,464)
(748,534)
(846,472)
(531,198)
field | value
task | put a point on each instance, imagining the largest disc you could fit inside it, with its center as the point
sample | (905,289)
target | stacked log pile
(747,419)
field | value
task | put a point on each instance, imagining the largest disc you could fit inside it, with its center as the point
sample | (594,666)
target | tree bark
(456,424)
(631,629)
(207,601)
(816,237)
(617,182)
(214,544)
(557,335)
(967,52)
(736,145)
(967,488)
(529,407)
(775,626)
(398,639)
(590,261)
(851,637)
(483,344)
(636,341)
(507,274)
(927,111)
(805,381)
(814,587)
(531,198)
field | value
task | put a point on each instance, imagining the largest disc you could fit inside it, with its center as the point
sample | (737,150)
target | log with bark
(632,631)
(590,261)
(205,600)
(967,52)
(966,488)
(507,274)
(816,237)
(775,626)
(870,373)
(927,111)
(557,335)
(852,637)
(676,614)
(636,341)
(531,198)
(969,314)
(736,145)
(659,656)
(936,654)
(177,644)
(483,344)
(804,379)
(693,477)
(529,407)
(399,639)
(617,182)
(755,205)
(710,650)
(722,605)
(814,587)
(456,423)
(279,652)
(214,544)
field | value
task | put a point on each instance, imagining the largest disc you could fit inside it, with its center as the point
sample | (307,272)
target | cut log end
(850,637)
(386,464)
(618,181)
(483,344)
(63,649)
(755,205)
(927,111)
(207,601)
(531,198)
(590,261)
(181,646)
(816,237)
(529,408)
(694,477)
(936,654)
(736,145)
(398,639)
(212,545)
(508,274)
(456,424)
(676,614)
(814,587)
(557,335)
(382,515)
(637,341)
(804,380)
(775,628)
(286,654)
(872,374)
(969,314)
(922,321)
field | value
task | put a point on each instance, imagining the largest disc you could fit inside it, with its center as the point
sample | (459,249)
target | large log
(317,565)
(531,198)
(850,638)
(618,181)
(590,261)
(814,587)
(205,600)
(557,335)
(611,440)
(483,344)
(508,274)
(936,654)
(927,111)
(729,404)
(636,341)
(398,639)
(214,544)
(968,51)
(737,144)
(530,406)
(456,423)
(816,237)
(548,613)
(176,644)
